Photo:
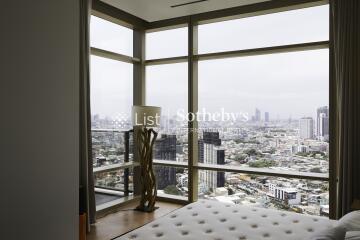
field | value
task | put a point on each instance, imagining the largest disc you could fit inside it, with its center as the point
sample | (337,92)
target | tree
(315,170)
(172,189)
(262,163)
(271,151)
(253,152)
(240,157)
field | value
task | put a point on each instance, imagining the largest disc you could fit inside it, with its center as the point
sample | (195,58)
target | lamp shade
(147,116)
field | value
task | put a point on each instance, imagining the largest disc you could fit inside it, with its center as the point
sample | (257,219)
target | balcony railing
(112,163)
(113,175)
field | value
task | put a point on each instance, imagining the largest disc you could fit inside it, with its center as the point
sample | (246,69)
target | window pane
(111,94)
(114,180)
(290,27)
(268,111)
(295,195)
(109,147)
(169,43)
(110,36)
(172,181)
(167,88)
(105,197)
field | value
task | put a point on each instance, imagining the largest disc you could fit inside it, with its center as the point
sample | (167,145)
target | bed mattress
(214,220)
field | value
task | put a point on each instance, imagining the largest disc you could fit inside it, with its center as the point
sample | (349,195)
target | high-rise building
(201,150)
(267,117)
(323,127)
(165,149)
(322,123)
(208,138)
(257,115)
(212,138)
(211,153)
(306,128)
(220,160)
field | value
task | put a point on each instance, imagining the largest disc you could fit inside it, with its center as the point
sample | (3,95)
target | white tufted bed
(214,220)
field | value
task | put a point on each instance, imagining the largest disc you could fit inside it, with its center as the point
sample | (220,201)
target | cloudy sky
(288,84)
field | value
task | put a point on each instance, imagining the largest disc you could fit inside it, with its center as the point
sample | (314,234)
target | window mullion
(192,109)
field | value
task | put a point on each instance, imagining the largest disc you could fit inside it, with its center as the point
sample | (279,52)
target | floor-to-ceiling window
(111,102)
(262,95)
(273,116)
(259,85)
(167,87)
(266,112)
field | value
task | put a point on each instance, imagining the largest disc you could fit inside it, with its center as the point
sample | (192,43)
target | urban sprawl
(287,145)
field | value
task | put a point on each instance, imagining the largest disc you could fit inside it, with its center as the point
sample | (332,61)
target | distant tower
(267,117)
(201,150)
(208,138)
(211,153)
(306,128)
(96,117)
(322,123)
(165,149)
(220,160)
(212,138)
(257,115)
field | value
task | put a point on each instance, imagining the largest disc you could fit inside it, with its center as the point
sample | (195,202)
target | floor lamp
(144,119)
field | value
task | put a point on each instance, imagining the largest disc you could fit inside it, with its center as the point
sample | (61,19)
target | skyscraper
(165,149)
(211,153)
(257,115)
(306,128)
(212,138)
(208,138)
(220,160)
(201,150)
(322,123)
(267,117)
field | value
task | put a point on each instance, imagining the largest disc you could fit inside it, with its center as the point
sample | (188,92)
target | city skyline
(320,121)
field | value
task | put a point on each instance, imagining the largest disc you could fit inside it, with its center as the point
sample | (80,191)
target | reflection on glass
(167,88)
(290,27)
(110,36)
(168,43)
(115,180)
(171,181)
(266,112)
(296,195)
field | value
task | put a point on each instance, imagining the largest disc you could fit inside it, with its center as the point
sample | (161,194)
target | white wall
(39,85)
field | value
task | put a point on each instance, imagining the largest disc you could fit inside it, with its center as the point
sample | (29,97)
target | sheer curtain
(345,19)
(87,195)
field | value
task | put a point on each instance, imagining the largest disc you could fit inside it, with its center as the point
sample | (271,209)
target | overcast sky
(288,84)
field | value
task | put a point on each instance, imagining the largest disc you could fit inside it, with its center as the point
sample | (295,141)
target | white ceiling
(154,10)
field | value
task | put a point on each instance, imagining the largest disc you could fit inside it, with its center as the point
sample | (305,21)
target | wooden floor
(120,222)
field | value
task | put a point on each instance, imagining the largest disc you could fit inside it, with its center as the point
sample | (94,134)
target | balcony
(112,166)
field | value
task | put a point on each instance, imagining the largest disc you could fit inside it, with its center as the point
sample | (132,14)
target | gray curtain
(87,195)
(345,35)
